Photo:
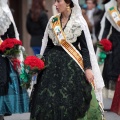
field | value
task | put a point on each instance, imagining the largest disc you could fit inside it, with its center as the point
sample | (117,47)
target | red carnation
(32,66)
(34,63)
(9,44)
(106,45)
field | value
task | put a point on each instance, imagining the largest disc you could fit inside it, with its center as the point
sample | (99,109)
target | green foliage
(12,52)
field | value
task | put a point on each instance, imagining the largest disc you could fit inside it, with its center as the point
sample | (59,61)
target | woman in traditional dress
(110,29)
(63,90)
(13,99)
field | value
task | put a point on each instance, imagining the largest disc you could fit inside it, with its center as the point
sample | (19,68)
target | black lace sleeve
(84,51)
(50,45)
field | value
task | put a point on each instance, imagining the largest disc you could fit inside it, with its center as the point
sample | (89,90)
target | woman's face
(61,6)
(90,4)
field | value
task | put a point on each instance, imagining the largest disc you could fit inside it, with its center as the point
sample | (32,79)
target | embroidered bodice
(72,30)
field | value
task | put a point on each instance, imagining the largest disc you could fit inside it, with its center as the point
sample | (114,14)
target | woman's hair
(36,7)
(69,2)
(93,1)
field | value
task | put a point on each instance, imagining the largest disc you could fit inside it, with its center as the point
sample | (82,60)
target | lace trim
(72,30)
(4,22)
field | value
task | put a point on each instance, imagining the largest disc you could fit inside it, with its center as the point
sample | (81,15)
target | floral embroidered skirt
(16,100)
(62,91)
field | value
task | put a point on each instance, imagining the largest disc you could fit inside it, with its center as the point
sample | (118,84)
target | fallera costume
(111,68)
(62,91)
(13,99)
(111,30)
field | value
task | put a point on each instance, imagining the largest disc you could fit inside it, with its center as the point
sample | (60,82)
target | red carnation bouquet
(32,66)
(105,46)
(10,47)
(34,63)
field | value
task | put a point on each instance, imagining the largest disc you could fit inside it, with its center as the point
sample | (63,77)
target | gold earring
(68,8)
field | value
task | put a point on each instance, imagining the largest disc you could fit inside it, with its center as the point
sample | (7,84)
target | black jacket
(36,29)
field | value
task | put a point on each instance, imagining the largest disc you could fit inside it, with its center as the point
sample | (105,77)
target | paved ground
(108,115)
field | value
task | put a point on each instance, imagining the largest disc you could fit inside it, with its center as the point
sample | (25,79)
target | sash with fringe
(67,46)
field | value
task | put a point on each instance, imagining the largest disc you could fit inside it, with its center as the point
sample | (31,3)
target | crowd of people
(93,15)
(70,87)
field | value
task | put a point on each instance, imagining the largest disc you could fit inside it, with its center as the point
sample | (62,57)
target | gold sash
(115,15)
(68,47)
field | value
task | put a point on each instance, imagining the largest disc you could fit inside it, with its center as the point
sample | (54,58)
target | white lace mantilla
(4,22)
(72,30)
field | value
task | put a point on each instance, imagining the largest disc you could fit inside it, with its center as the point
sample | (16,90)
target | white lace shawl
(4,6)
(72,30)
(4,22)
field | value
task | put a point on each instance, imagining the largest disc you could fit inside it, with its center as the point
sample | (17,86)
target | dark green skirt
(62,91)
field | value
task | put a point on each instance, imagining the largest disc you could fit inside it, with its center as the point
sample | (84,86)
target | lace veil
(6,18)
(95,68)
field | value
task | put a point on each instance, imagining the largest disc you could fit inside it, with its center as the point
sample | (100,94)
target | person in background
(110,29)
(13,99)
(98,6)
(63,90)
(37,19)
(93,16)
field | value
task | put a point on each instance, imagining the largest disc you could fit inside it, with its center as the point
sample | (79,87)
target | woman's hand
(89,75)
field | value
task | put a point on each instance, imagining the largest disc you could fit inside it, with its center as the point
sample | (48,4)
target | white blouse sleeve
(45,40)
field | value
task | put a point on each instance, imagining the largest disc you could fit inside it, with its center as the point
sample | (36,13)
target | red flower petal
(34,62)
